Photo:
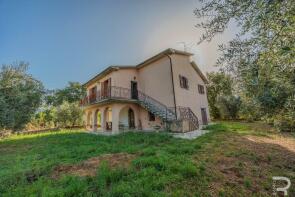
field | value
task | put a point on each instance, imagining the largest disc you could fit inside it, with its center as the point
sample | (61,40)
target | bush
(69,114)
(249,110)
(285,120)
(229,106)
(219,84)
(284,123)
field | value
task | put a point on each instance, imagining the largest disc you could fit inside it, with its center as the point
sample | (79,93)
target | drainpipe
(171,68)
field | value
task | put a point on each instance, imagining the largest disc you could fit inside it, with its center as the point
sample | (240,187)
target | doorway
(106,88)
(204,116)
(131,119)
(108,116)
(134,91)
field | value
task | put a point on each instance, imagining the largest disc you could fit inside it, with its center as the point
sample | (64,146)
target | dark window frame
(93,90)
(201,89)
(183,82)
(152,117)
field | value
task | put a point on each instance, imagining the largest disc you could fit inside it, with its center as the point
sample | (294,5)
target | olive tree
(69,114)
(220,84)
(262,56)
(20,96)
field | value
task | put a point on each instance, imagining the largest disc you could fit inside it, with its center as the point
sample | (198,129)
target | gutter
(171,68)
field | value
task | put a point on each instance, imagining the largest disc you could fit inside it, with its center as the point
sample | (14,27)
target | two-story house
(166,91)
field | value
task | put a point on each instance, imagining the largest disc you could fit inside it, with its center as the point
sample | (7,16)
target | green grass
(221,163)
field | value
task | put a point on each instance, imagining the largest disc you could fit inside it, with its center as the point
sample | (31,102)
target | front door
(131,120)
(134,91)
(204,116)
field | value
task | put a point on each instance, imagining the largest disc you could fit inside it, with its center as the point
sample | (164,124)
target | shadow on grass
(223,162)
(245,159)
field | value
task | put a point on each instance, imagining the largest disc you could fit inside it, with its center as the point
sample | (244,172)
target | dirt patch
(247,163)
(262,127)
(89,167)
(33,176)
(287,143)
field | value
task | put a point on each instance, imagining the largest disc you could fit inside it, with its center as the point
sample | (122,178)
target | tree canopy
(262,56)
(60,108)
(220,84)
(73,92)
(20,96)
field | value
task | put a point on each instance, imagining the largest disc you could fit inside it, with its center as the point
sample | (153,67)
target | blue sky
(72,40)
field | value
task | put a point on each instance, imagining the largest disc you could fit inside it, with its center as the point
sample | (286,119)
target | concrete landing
(105,133)
(190,135)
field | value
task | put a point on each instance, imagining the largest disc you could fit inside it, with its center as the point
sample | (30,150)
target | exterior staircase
(155,107)
(170,115)
(175,117)
(187,114)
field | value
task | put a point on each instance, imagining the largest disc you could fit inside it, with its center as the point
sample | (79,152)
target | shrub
(69,114)
(249,110)
(219,84)
(285,120)
(229,106)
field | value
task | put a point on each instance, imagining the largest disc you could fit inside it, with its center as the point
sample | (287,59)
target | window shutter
(180,81)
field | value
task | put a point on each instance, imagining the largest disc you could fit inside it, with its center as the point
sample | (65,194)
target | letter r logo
(282,189)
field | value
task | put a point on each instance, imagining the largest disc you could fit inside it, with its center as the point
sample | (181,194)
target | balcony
(112,92)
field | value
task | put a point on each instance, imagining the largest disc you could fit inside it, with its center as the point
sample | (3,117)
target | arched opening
(89,120)
(126,118)
(131,119)
(97,119)
(108,118)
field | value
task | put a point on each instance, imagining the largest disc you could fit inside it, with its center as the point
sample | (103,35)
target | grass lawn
(235,159)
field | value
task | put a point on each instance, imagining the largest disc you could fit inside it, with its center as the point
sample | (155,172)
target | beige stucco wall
(191,97)
(98,82)
(149,125)
(155,81)
(119,115)
(123,77)
(119,78)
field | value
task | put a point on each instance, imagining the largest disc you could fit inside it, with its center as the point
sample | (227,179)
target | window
(183,82)
(92,94)
(93,90)
(151,117)
(201,89)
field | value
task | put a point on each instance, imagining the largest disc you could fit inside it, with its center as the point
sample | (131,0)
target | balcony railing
(167,113)
(112,92)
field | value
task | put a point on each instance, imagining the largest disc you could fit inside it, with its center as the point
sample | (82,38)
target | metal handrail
(187,114)
(109,92)
(118,92)
(115,92)
(149,100)
(168,113)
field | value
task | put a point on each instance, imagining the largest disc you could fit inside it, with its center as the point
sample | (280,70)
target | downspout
(171,69)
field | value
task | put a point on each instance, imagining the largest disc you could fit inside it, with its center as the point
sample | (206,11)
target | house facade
(167,91)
